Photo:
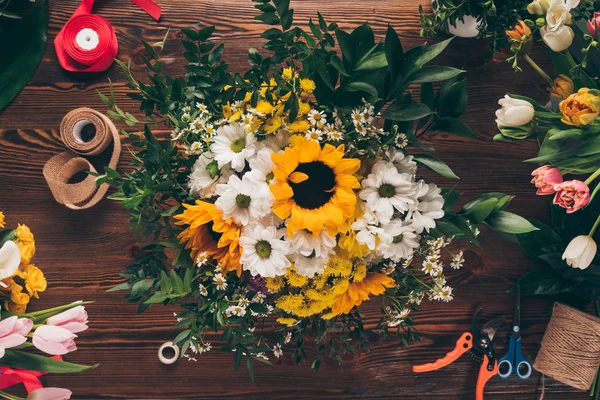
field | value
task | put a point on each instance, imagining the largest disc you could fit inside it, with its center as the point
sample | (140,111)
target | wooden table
(82,252)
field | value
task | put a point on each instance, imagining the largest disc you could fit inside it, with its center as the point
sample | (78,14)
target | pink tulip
(75,319)
(593,25)
(50,393)
(572,195)
(13,331)
(545,178)
(54,340)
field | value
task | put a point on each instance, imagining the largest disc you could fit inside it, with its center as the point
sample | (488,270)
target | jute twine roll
(570,351)
(62,167)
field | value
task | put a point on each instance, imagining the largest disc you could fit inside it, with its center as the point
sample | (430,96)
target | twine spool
(570,351)
(85,132)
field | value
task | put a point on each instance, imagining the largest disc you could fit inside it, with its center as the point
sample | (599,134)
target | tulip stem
(592,177)
(593,230)
(538,69)
(9,396)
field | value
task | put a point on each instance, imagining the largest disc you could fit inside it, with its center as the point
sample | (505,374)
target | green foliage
(20,359)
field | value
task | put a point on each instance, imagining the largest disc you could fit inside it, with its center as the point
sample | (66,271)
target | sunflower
(313,187)
(209,232)
(373,284)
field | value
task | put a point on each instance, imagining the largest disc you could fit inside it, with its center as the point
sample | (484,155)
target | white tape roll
(87,39)
(161,355)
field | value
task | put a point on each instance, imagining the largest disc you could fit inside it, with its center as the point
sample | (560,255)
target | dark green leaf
(507,222)
(452,97)
(436,165)
(402,111)
(542,281)
(453,126)
(394,53)
(373,61)
(34,362)
(434,74)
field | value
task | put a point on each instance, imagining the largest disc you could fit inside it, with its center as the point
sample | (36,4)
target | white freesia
(580,252)
(514,112)
(10,258)
(556,34)
(233,145)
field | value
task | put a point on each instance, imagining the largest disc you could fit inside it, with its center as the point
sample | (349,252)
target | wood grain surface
(82,252)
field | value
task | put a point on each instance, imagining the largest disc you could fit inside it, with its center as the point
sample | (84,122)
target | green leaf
(453,126)
(372,62)
(423,54)
(403,111)
(20,359)
(436,165)
(452,97)
(141,287)
(176,281)
(542,281)
(361,87)
(156,298)
(120,286)
(22,50)
(507,222)
(434,74)
(394,53)
(478,213)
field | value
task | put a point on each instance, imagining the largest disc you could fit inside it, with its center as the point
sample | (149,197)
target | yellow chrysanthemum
(235,116)
(1,219)
(295,279)
(272,124)
(287,321)
(34,278)
(227,111)
(314,187)
(360,272)
(299,125)
(26,243)
(208,232)
(373,284)
(295,140)
(288,74)
(303,108)
(289,302)
(274,284)
(271,85)
(264,107)
(307,85)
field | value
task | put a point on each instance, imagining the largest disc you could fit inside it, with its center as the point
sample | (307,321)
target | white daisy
(458,260)
(288,338)
(428,207)
(416,297)
(202,290)
(399,240)
(403,163)
(264,252)
(233,145)
(367,230)
(220,281)
(243,200)
(202,108)
(311,251)
(202,259)
(314,134)
(235,310)
(386,189)
(243,302)
(443,294)
(261,166)
(401,140)
(277,351)
(259,298)
(317,118)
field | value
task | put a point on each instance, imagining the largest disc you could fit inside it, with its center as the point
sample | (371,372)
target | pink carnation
(572,195)
(545,178)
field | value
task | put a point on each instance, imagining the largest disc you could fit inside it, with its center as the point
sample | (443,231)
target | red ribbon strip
(11,377)
(73,57)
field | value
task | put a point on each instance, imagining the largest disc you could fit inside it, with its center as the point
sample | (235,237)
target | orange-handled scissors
(479,343)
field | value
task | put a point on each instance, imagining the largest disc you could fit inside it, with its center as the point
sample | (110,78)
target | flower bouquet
(52,331)
(289,192)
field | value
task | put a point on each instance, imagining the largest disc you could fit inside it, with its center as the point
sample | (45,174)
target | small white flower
(443,294)
(202,259)
(220,281)
(400,240)
(314,134)
(416,297)
(202,108)
(277,351)
(367,230)
(233,145)
(311,251)
(317,118)
(235,310)
(202,290)
(264,252)
(243,200)
(458,260)
(401,140)
(259,298)
(288,338)
(243,302)
(428,207)
(386,190)
(431,267)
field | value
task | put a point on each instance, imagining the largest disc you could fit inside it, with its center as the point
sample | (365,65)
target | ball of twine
(570,351)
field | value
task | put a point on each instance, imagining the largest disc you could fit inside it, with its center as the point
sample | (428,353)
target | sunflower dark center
(216,236)
(242,200)
(263,248)
(317,189)
(398,238)
(386,190)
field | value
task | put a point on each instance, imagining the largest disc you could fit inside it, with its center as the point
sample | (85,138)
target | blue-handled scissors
(514,363)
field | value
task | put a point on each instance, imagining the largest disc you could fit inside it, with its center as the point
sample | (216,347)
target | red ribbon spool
(87,42)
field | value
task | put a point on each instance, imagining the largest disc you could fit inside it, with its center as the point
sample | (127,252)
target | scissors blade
(492,327)
(517,315)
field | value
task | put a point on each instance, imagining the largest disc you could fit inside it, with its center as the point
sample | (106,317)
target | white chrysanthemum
(386,189)
(277,351)
(367,230)
(399,240)
(314,134)
(261,166)
(264,251)
(443,294)
(311,251)
(317,118)
(403,163)
(202,290)
(428,207)
(244,200)
(278,141)
(233,145)
(220,281)
(205,176)
(235,310)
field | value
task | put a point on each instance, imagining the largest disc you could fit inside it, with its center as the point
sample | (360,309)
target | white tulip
(580,252)
(559,39)
(10,258)
(514,112)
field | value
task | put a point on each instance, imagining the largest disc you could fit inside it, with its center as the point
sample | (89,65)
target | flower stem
(538,69)
(593,230)
(9,396)
(592,177)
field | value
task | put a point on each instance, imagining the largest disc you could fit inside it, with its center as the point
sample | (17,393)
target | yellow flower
(26,243)
(580,108)
(303,108)
(299,125)
(314,187)
(288,74)
(264,107)
(287,321)
(271,85)
(295,279)
(227,111)
(208,232)
(307,85)
(274,284)
(35,281)
(235,116)
(18,299)
(360,271)
(373,284)
(295,140)
(272,125)
(1,219)
(562,87)
(290,302)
